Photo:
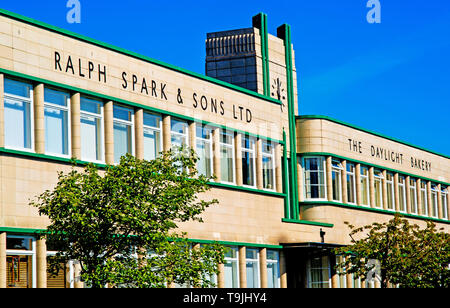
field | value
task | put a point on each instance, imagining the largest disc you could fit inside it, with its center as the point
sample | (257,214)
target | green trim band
(247,189)
(228,243)
(372,165)
(307,222)
(320,117)
(126,102)
(83,163)
(371,209)
(134,55)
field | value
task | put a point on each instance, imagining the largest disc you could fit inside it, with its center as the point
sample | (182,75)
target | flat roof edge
(321,117)
(133,54)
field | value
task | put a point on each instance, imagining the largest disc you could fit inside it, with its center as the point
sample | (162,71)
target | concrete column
(192,135)
(344,181)
(39,120)
(41,263)
(238,156)
(384,184)
(166,128)
(221,276)
(2,260)
(2,112)
(396,193)
(75,125)
(440,215)
(78,284)
(242,268)
(139,133)
(109,132)
(259,166)
(279,169)
(329,179)
(371,187)
(263,267)
(448,203)
(283,273)
(408,195)
(216,153)
(358,183)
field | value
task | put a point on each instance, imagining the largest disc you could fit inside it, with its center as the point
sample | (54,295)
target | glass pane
(203,132)
(226,164)
(178,141)
(252,274)
(248,165)
(179,127)
(56,131)
(248,143)
(122,141)
(205,158)
(152,144)
(17,124)
(18,243)
(18,88)
(122,113)
(226,138)
(55,97)
(231,274)
(268,173)
(152,120)
(90,105)
(91,141)
(267,147)
(336,182)
(351,188)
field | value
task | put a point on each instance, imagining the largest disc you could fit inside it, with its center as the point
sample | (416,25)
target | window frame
(177,134)
(22,99)
(101,118)
(434,200)
(253,154)
(351,174)
(153,129)
(128,123)
(321,162)
(402,192)
(424,198)
(232,260)
(390,187)
(277,267)
(271,156)
(413,196)
(336,168)
(228,146)
(66,109)
(206,142)
(367,186)
(444,201)
(257,273)
(378,177)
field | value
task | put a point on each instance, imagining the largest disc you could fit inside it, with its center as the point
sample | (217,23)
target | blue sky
(392,77)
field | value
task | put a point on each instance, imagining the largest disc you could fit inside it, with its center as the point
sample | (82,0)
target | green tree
(120,222)
(407,255)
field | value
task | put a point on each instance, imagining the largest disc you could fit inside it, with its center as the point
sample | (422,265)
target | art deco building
(286,183)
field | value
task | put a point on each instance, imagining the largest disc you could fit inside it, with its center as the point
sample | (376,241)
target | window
(351,183)
(18,115)
(401,193)
(152,136)
(123,131)
(20,262)
(378,188)
(413,195)
(434,200)
(248,161)
(56,117)
(91,130)
(273,268)
(252,267)
(268,165)
(336,181)
(340,270)
(179,131)
(424,197)
(231,267)
(318,272)
(364,178)
(390,191)
(204,150)
(444,196)
(315,187)
(226,157)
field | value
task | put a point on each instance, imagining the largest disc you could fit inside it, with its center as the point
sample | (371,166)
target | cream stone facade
(258,213)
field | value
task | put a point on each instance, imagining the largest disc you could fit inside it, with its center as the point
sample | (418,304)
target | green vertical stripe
(285,31)
(287,211)
(260,21)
